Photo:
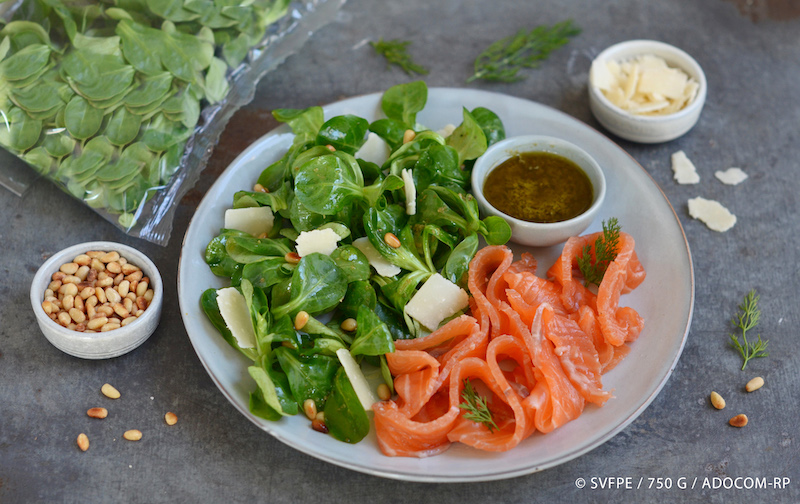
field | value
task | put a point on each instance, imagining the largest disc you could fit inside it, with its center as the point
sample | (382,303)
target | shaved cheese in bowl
(646,91)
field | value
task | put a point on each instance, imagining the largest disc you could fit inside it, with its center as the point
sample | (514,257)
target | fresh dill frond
(396,53)
(475,407)
(747,318)
(606,248)
(503,59)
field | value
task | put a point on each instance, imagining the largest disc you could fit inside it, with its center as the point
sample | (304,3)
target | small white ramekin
(649,129)
(536,234)
(99,345)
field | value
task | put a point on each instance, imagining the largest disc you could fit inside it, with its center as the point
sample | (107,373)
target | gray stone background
(750,51)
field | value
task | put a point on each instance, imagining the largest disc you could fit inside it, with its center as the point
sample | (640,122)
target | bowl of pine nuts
(97,300)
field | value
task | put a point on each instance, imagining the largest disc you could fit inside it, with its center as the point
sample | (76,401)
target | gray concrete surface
(751,55)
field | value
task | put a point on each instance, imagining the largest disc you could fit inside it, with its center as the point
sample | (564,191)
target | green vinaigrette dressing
(539,187)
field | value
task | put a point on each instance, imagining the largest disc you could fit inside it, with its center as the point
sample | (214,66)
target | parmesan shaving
(712,213)
(683,168)
(644,85)
(731,176)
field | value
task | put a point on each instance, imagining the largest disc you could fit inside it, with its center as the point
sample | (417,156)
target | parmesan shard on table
(683,169)
(731,176)
(712,213)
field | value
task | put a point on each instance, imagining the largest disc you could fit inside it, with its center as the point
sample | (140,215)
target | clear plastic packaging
(121,102)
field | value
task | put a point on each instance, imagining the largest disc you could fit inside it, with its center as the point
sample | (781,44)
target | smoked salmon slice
(535,349)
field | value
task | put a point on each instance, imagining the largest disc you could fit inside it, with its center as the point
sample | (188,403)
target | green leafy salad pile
(102,97)
(321,183)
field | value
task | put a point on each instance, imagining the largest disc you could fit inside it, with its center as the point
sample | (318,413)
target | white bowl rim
(599,196)
(690,109)
(135,256)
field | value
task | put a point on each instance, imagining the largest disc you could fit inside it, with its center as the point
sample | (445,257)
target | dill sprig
(606,248)
(396,53)
(503,59)
(747,318)
(475,407)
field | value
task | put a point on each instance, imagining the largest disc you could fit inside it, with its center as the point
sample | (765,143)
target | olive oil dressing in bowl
(546,188)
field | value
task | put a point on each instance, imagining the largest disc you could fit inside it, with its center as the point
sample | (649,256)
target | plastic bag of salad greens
(120,102)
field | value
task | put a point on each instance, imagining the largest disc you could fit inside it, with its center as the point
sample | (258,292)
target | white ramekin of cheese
(646,91)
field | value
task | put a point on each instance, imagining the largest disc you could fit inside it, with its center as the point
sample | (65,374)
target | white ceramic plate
(665,299)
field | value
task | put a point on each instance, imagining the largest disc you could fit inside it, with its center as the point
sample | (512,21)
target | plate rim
(412,476)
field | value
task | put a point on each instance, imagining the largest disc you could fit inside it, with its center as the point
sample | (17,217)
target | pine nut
(82,260)
(79,304)
(349,325)
(122,261)
(100,294)
(82,272)
(408,136)
(142,287)
(110,327)
(71,279)
(127,303)
(739,420)
(68,302)
(292,258)
(69,268)
(112,295)
(48,307)
(310,408)
(123,288)
(148,296)
(392,240)
(83,442)
(384,393)
(319,426)
(48,293)
(80,327)
(171,418)
(105,310)
(330,148)
(91,276)
(129,268)
(754,384)
(121,311)
(64,319)
(97,412)
(78,316)
(114,267)
(68,289)
(127,321)
(141,303)
(118,279)
(97,323)
(58,275)
(109,391)
(105,282)
(97,265)
(95,254)
(86,293)
(109,257)
(55,285)
(136,276)
(133,435)
(259,188)
(301,319)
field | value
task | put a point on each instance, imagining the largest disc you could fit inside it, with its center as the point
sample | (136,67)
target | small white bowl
(649,129)
(536,234)
(99,345)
